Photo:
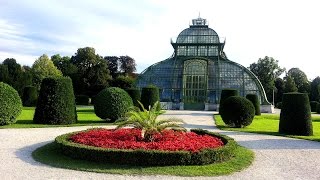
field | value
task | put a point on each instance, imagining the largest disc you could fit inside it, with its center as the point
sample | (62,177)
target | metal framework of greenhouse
(193,77)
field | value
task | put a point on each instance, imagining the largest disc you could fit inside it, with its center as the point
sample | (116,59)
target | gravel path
(276,157)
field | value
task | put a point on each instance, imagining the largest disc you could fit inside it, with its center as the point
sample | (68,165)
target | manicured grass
(86,117)
(269,124)
(49,154)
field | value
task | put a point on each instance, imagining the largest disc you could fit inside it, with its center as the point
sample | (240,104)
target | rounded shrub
(135,94)
(313,106)
(112,103)
(10,104)
(149,96)
(225,93)
(56,102)
(82,100)
(30,96)
(256,103)
(237,111)
(295,116)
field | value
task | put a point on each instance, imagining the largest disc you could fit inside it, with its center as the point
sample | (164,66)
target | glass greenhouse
(193,77)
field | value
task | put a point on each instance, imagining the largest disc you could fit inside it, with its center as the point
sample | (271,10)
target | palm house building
(193,77)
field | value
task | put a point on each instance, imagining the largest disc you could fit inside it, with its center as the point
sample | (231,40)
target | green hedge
(82,100)
(56,102)
(279,105)
(295,116)
(148,157)
(112,103)
(30,96)
(313,105)
(135,94)
(237,111)
(149,96)
(225,93)
(10,104)
(256,103)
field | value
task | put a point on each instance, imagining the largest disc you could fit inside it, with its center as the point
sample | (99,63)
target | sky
(288,31)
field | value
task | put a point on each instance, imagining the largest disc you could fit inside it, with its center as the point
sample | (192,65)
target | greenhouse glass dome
(193,77)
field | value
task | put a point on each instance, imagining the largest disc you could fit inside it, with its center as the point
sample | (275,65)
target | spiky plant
(147,121)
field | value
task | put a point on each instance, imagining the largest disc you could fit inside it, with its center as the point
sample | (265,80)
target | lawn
(86,117)
(269,124)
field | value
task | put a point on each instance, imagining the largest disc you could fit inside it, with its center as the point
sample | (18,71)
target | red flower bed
(168,140)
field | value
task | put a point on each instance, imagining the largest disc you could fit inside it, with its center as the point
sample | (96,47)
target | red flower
(167,140)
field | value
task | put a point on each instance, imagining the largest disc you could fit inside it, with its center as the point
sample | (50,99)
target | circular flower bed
(168,140)
(126,146)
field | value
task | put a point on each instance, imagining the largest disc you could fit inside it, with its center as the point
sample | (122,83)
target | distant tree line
(268,72)
(90,72)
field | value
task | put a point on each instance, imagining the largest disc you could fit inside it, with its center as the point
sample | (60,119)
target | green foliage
(300,79)
(318,108)
(112,103)
(93,73)
(149,96)
(135,94)
(82,100)
(267,69)
(56,102)
(279,105)
(225,93)
(295,117)
(128,64)
(315,89)
(313,106)
(113,65)
(30,96)
(279,85)
(148,123)
(237,111)
(149,157)
(42,68)
(123,82)
(64,64)
(256,103)
(10,104)
(290,85)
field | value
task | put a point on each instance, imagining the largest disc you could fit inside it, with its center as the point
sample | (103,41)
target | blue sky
(142,29)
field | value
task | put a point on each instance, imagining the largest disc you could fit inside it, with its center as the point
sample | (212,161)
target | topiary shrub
(149,96)
(82,100)
(30,96)
(10,104)
(225,93)
(112,103)
(256,103)
(313,105)
(237,111)
(279,105)
(56,102)
(295,116)
(135,94)
(318,108)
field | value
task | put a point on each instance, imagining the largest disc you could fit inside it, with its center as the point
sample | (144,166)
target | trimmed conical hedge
(56,102)
(295,116)
(149,96)
(256,103)
(135,94)
(225,93)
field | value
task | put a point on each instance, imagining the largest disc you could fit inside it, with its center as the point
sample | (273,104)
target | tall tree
(43,67)
(314,89)
(64,64)
(279,85)
(113,65)
(267,70)
(93,74)
(289,85)
(300,79)
(128,65)
(4,73)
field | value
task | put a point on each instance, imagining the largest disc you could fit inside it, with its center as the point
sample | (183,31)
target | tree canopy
(300,79)
(267,70)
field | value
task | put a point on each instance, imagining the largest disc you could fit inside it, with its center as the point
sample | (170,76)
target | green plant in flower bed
(143,157)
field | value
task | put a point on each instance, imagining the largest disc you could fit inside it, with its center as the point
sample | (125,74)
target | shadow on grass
(27,121)
(83,111)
